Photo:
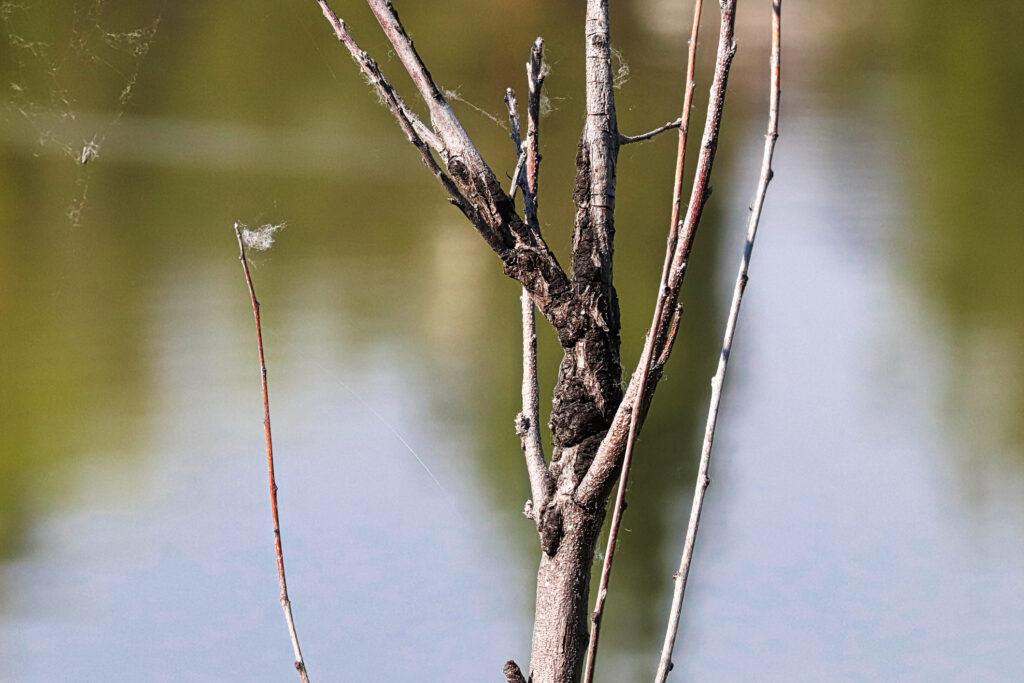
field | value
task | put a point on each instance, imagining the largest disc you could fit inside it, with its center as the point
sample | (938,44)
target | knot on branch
(599,40)
(549,526)
(522,425)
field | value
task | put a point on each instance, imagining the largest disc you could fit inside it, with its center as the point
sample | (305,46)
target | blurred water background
(866,516)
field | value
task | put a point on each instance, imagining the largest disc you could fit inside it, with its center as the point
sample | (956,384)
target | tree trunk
(563,588)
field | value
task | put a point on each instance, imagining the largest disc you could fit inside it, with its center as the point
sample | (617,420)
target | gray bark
(563,586)
(588,391)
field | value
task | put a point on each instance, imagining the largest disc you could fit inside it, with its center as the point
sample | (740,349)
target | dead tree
(593,421)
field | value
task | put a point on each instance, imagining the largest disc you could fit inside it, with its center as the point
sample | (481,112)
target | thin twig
(517,176)
(647,356)
(286,604)
(528,421)
(665,664)
(515,131)
(454,138)
(611,453)
(628,139)
(535,79)
(471,184)
(415,130)
(519,180)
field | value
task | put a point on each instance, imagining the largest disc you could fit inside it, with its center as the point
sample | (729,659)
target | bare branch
(611,453)
(384,88)
(459,152)
(528,421)
(286,604)
(518,180)
(515,131)
(517,177)
(595,169)
(647,355)
(415,130)
(453,136)
(535,75)
(535,79)
(629,139)
(665,664)
(588,391)
(473,186)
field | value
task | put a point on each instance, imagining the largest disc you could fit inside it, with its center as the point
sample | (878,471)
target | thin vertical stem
(665,664)
(528,421)
(535,80)
(286,605)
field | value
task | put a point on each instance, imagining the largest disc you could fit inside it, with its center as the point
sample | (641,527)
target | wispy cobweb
(454,95)
(622,72)
(52,81)
(261,238)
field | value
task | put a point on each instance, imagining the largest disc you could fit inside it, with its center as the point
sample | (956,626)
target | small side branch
(665,664)
(535,74)
(421,137)
(528,149)
(453,137)
(286,604)
(528,421)
(629,139)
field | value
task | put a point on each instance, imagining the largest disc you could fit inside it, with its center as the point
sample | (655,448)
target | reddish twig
(703,480)
(647,356)
(286,603)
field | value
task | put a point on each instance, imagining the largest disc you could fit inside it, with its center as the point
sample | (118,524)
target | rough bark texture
(588,391)
(563,586)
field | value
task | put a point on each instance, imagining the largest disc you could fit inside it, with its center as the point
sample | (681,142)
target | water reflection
(966,243)
(877,378)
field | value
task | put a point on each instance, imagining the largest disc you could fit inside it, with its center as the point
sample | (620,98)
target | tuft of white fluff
(261,238)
